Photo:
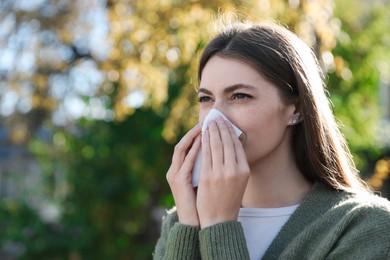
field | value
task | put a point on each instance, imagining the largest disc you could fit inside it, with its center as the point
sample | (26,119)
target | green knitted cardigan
(329,224)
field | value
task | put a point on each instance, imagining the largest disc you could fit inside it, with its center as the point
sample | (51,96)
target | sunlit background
(94,94)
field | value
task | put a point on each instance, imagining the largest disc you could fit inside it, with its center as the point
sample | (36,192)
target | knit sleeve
(223,241)
(366,236)
(177,241)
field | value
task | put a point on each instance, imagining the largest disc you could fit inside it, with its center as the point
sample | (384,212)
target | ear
(296,116)
(295,119)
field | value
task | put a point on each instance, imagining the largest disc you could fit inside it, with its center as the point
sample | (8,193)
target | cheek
(261,120)
(263,135)
(251,120)
(259,128)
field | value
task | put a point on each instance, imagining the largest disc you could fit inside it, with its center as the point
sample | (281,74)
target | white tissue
(212,115)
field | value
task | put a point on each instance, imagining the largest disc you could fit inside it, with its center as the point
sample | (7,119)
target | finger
(206,151)
(182,148)
(216,145)
(191,156)
(240,155)
(229,154)
(185,143)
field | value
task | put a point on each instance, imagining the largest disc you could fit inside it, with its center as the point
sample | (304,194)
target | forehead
(226,71)
(220,73)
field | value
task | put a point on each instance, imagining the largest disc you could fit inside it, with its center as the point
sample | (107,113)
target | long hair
(320,149)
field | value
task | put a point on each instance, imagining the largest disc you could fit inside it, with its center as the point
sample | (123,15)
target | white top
(261,225)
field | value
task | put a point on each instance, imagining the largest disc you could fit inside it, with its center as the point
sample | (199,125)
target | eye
(241,96)
(204,99)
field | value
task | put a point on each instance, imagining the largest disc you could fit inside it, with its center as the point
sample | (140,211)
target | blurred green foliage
(354,77)
(113,185)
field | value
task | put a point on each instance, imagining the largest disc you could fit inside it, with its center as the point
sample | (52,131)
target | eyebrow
(229,89)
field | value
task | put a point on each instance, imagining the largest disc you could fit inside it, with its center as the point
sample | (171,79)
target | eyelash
(245,96)
(202,99)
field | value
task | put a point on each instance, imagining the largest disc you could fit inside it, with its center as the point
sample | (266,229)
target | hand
(224,176)
(179,177)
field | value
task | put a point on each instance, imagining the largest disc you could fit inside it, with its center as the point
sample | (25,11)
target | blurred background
(94,95)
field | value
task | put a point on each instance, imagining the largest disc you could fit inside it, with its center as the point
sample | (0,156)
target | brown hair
(320,150)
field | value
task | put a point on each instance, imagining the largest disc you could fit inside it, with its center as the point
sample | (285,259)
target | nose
(219,103)
(203,114)
(205,111)
(214,113)
(223,108)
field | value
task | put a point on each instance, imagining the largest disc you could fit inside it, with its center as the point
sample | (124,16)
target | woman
(288,188)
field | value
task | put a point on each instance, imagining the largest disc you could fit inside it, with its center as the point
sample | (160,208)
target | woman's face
(249,101)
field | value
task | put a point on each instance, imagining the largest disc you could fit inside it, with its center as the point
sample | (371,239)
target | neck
(275,182)
(272,194)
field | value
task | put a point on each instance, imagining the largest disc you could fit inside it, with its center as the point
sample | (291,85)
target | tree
(354,68)
(48,60)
